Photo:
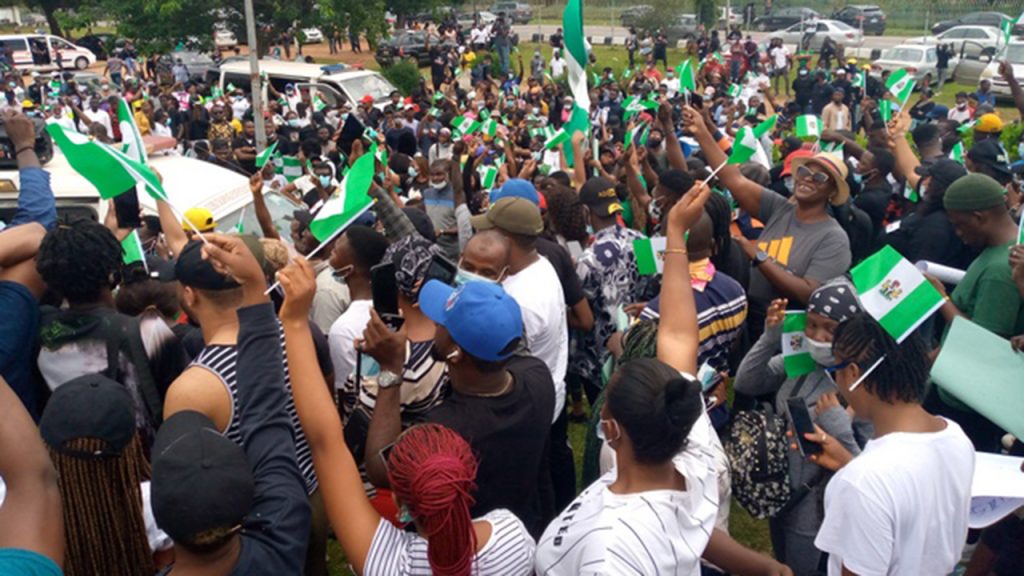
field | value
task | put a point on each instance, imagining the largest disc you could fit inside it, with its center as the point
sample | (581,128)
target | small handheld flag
(796,354)
(808,127)
(650,255)
(894,292)
(266,155)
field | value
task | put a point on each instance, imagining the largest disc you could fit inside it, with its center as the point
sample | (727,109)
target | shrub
(405,75)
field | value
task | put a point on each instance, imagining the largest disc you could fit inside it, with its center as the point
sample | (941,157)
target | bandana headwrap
(836,301)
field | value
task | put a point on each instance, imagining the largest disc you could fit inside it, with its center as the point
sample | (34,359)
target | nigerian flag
(650,255)
(910,193)
(687,82)
(240,225)
(957,153)
(1006,26)
(464,125)
(894,292)
(487,176)
(900,84)
(489,127)
(131,138)
(1020,230)
(765,127)
(111,171)
(638,134)
(266,155)
(796,356)
(885,110)
(743,147)
(733,91)
(556,139)
(349,202)
(860,80)
(576,52)
(834,147)
(808,127)
(131,247)
(288,166)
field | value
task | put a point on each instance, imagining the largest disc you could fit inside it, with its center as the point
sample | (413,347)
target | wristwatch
(760,257)
(387,379)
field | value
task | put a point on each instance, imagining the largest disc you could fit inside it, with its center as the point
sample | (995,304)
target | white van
(331,80)
(40,52)
(188,182)
(1013,52)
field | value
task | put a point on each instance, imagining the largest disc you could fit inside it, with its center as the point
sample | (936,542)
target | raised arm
(259,206)
(349,511)
(1006,71)
(35,198)
(678,337)
(746,192)
(673,151)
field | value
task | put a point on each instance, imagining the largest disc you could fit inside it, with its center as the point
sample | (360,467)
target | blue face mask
(464,276)
(325,181)
(413,172)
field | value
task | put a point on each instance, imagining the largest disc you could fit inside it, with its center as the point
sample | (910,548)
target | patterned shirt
(608,272)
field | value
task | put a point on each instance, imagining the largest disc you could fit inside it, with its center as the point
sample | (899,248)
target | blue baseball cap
(516,188)
(481,317)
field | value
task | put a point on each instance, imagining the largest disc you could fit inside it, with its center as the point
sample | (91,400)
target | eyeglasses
(804,173)
(830,371)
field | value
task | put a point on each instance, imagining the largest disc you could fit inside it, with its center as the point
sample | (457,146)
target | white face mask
(788,182)
(464,276)
(439,185)
(821,352)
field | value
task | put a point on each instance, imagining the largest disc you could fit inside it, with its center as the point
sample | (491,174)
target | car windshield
(194,59)
(1013,53)
(842,26)
(375,86)
(281,210)
(903,54)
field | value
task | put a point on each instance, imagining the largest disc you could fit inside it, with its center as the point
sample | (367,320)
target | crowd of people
(229,402)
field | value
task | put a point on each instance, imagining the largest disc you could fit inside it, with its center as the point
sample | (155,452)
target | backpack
(757,448)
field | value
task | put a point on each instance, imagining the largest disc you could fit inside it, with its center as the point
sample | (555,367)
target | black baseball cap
(599,195)
(201,480)
(192,270)
(991,154)
(90,406)
(944,170)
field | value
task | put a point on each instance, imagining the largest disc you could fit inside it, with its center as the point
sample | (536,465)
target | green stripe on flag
(1020,230)
(267,154)
(894,292)
(131,138)
(874,269)
(131,246)
(796,358)
(108,169)
(649,254)
(349,202)
(915,308)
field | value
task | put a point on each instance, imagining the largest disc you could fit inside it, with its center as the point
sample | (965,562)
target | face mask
(413,172)
(654,144)
(294,122)
(538,155)
(961,106)
(535,110)
(821,352)
(325,181)
(343,272)
(590,230)
(464,276)
(600,431)
(439,185)
(788,183)
(654,212)
(343,116)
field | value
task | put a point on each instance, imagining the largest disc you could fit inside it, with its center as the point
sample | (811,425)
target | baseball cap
(989,123)
(973,192)
(303,217)
(411,256)
(481,317)
(192,270)
(90,406)
(201,480)
(201,219)
(368,99)
(516,188)
(599,195)
(513,215)
(991,154)
(943,170)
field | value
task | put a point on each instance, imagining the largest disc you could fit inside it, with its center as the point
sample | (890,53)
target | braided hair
(902,376)
(433,473)
(717,207)
(565,213)
(79,260)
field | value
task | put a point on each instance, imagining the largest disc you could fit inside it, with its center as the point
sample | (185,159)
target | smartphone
(126,206)
(384,288)
(800,416)
(441,269)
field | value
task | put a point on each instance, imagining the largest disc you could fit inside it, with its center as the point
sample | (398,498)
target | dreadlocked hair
(104,529)
(79,260)
(565,213)
(640,341)
(718,209)
(433,472)
(902,376)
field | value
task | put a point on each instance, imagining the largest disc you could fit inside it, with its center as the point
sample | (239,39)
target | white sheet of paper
(997,488)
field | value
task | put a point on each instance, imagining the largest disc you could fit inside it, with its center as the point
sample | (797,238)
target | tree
(706,13)
(49,8)
(161,25)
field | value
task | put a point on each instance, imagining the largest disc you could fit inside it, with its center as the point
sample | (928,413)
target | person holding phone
(762,372)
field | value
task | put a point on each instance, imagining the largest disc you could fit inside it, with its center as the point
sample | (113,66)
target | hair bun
(683,402)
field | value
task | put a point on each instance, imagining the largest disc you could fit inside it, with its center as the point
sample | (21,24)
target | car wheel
(81,63)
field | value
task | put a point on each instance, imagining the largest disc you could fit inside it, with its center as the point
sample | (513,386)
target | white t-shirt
(901,506)
(654,532)
(558,66)
(508,552)
(671,86)
(538,292)
(341,339)
(780,57)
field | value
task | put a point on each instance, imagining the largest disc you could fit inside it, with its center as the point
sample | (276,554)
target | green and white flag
(860,80)
(1006,25)
(240,225)
(966,127)
(111,171)
(288,166)
(894,292)
(834,147)
(687,81)
(318,103)
(901,85)
(559,137)
(957,153)
(216,92)
(733,91)
(765,127)
(576,52)
(489,127)
(263,157)
(796,355)
(349,202)
(131,247)
(465,125)
(910,193)
(131,138)
(885,110)
(488,174)
(808,127)
(744,147)
(638,134)
(650,255)
(1020,230)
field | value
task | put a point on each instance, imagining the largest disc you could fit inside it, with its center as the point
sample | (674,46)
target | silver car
(814,33)
(967,41)
(918,59)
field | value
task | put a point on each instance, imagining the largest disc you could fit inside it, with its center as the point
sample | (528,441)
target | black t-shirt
(244,142)
(874,200)
(559,257)
(930,237)
(509,434)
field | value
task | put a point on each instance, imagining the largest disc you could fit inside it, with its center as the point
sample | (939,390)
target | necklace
(504,388)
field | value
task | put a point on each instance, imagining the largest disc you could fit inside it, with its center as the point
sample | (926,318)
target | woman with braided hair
(431,469)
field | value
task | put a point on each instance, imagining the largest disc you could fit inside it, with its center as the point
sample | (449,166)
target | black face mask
(652,143)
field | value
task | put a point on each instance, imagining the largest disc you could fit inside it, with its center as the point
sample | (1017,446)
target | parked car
(734,17)
(224,39)
(683,27)
(839,32)
(313,36)
(633,15)
(515,12)
(784,18)
(100,44)
(406,44)
(469,19)
(71,55)
(918,59)
(994,19)
(866,17)
(198,64)
(968,41)
(1013,53)
(334,83)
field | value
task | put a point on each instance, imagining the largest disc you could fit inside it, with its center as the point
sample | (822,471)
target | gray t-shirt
(817,251)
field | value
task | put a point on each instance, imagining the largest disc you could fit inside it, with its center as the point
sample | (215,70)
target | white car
(918,59)
(466,20)
(967,41)
(818,30)
(1012,53)
(313,35)
(224,39)
(734,16)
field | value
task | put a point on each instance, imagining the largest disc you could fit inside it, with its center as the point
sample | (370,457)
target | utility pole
(255,85)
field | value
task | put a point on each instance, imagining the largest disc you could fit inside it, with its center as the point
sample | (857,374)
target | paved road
(870,42)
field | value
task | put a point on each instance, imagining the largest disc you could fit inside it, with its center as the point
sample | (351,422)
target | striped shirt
(652,532)
(508,552)
(222,361)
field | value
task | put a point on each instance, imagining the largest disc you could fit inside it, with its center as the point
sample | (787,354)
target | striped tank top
(222,361)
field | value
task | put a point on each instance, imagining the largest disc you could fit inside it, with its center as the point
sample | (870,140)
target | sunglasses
(804,173)
(831,371)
